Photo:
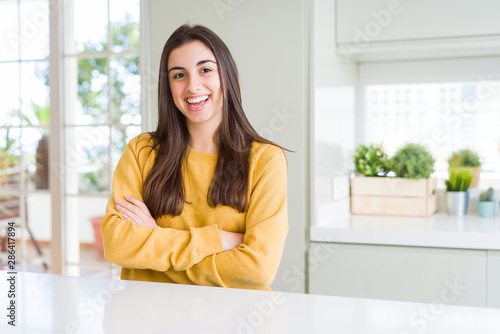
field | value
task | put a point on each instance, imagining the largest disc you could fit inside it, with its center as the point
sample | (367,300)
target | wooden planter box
(393,196)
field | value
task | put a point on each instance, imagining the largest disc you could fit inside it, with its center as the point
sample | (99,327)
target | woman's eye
(206,70)
(179,75)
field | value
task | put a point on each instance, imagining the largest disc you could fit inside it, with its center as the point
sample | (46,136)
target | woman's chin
(198,119)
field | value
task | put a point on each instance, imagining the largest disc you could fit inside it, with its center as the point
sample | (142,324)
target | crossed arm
(137,212)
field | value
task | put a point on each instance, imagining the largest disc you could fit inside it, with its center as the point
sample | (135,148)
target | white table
(61,304)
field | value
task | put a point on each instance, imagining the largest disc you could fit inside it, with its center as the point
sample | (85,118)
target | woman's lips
(196,104)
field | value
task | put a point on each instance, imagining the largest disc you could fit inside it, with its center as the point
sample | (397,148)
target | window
(445,105)
(24,131)
(102,94)
(444,116)
(102,113)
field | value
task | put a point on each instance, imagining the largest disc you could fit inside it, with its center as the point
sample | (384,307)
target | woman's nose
(194,83)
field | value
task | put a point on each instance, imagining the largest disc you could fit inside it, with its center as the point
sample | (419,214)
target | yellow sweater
(187,249)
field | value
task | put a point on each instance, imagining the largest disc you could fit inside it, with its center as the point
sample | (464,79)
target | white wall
(269,42)
(335,84)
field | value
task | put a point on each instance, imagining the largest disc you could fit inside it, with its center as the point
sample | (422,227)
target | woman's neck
(202,138)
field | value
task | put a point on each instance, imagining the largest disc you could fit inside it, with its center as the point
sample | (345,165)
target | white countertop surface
(62,304)
(439,230)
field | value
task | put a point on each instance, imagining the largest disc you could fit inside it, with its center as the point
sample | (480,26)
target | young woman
(201,200)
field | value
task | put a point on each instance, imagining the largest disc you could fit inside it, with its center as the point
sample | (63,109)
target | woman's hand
(230,240)
(135,211)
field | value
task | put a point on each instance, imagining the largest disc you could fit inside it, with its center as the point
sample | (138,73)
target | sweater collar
(201,156)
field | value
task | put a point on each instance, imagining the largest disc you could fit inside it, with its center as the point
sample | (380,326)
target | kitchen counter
(61,304)
(439,230)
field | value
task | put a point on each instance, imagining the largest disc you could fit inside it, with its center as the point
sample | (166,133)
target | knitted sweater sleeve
(252,265)
(134,246)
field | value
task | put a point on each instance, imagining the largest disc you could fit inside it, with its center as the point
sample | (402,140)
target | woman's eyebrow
(201,62)
(176,68)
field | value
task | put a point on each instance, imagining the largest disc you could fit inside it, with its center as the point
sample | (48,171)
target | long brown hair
(163,190)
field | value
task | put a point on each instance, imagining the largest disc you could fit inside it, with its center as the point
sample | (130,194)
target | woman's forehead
(190,54)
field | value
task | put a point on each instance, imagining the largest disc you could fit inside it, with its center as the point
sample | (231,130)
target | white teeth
(198,99)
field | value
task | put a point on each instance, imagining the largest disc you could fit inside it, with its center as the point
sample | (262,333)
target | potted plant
(468,160)
(486,203)
(412,161)
(371,160)
(457,195)
(411,193)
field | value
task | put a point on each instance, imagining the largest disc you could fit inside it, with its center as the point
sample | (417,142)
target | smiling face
(195,84)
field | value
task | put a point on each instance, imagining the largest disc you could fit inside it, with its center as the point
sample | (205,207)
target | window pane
(9,86)
(443,116)
(35,146)
(124,17)
(34,29)
(35,93)
(83,218)
(120,136)
(126,90)
(9,26)
(10,172)
(40,223)
(90,26)
(91,105)
(87,158)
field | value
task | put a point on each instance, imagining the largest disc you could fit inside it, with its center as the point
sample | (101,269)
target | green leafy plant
(41,114)
(412,161)
(459,180)
(371,160)
(487,196)
(464,158)
(7,156)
